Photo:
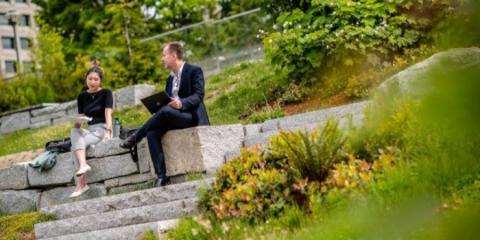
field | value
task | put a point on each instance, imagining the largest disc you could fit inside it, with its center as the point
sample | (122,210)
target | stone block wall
(191,150)
(112,168)
(201,149)
(56,113)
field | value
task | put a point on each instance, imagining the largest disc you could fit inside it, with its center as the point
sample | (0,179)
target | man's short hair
(175,47)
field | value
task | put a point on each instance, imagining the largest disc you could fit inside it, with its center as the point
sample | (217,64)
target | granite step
(118,218)
(352,113)
(128,200)
(317,117)
(122,233)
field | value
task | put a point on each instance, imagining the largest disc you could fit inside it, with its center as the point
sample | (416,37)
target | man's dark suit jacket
(191,92)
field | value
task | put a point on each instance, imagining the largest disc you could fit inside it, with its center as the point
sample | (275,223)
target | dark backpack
(59,146)
(127,132)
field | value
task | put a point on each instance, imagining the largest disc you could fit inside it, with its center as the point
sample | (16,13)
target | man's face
(168,58)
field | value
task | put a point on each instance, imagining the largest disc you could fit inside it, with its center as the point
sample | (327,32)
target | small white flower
(194,232)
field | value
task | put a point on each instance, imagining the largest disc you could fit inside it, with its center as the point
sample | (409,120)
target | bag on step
(59,146)
(45,161)
(126,132)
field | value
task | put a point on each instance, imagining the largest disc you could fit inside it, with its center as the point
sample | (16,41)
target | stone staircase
(122,216)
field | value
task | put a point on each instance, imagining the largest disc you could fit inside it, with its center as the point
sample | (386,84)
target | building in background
(23,12)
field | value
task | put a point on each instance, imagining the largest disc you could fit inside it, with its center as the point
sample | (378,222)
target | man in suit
(186,88)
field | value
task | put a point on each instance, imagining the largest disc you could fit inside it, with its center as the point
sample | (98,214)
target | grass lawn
(239,91)
(20,226)
(25,140)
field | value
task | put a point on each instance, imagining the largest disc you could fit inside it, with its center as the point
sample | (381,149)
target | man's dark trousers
(167,118)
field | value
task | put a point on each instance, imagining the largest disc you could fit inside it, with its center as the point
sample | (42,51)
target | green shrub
(312,154)
(294,93)
(360,84)
(389,127)
(328,34)
(255,186)
(355,175)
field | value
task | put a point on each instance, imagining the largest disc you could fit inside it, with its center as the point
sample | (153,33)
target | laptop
(154,102)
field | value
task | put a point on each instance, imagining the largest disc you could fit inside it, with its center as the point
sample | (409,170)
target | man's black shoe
(129,142)
(160,182)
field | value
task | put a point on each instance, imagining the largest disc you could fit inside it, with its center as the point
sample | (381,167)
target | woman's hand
(108,135)
(108,122)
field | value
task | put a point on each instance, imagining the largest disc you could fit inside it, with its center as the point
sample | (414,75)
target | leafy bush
(312,154)
(255,186)
(348,33)
(391,127)
(360,85)
(24,92)
(356,174)
(294,93)
(50,81)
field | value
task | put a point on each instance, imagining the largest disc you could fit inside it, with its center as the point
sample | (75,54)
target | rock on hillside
(409,81)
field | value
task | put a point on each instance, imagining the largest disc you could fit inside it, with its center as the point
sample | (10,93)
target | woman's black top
(93,104)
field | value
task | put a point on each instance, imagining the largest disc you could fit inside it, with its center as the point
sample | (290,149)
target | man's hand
(175,103)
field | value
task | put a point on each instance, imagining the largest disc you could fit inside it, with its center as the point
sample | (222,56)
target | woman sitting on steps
(96,103)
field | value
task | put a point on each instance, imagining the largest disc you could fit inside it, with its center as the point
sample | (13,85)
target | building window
(8,42)
(24,20)
(3,19)
(7,1)
(10,67)
(27,67)
(21,1)
(25,43)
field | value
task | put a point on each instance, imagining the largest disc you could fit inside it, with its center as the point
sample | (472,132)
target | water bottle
(116,127)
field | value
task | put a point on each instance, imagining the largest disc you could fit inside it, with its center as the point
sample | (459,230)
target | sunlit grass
(20,226)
